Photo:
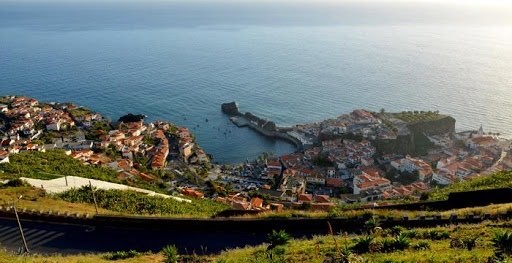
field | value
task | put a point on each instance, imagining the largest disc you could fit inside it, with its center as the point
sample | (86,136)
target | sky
(455,2)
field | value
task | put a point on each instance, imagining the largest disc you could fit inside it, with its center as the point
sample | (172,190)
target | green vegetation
(51,164)
(118,255)
(97,129)
(323,161)
(80,111)
(385,246)
(134,203)
(418,116)
(494,244)
(82,258)
(55,163)
(278,238)
(37,199)
(497,180)
(170,253)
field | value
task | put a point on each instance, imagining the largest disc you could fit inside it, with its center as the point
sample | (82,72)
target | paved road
(43,237)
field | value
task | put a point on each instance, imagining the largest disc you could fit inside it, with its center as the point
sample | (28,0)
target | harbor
(262,126)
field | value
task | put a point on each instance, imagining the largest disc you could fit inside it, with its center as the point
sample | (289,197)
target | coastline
(262,126)
(279,134)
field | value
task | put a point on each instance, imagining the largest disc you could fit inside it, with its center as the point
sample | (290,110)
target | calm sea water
(289,63)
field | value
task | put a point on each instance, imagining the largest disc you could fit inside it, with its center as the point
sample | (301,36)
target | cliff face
(440,126)
(416,143)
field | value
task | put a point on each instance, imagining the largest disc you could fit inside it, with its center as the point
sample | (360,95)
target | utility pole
(94,197)
(19,226)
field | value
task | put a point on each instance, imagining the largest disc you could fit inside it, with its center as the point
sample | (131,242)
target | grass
(496,180)
(324,248)
(320,248)
(83,258)
(77,112)
(37,199)
(136,203)
(354,213)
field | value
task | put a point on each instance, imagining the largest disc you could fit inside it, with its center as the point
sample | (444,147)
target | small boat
(206,120)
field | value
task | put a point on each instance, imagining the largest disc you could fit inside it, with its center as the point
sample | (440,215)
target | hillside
(55,163)
(485,242)
(497,180)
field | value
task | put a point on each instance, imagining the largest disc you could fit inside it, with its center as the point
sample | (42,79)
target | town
(361,157)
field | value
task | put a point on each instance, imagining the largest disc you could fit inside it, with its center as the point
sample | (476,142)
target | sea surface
(291,63)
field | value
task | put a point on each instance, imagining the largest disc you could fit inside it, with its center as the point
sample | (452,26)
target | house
(361,116)
(322,199)
(331,172)
(483,141)
(256,203)
(4,108)
(409,164)
(186,150)
(365,182)
(240,205)
(335,180)
(192,192)
(4,156)
(444,178)
(367,161)
(308,198)
(123,164)
(54,125)
(315,178)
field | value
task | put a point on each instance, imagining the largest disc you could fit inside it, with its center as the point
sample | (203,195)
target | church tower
(480,131)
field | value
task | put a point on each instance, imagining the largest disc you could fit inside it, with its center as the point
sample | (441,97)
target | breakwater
(265,127)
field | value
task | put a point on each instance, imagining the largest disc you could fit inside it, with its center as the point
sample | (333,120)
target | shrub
(15,183)
(401,242)
(362,245)
(409,233)
(470,242)
(376,246)
(502,242)
(170,254)
(388,245)
(397,230)
(370,225)
(422,245)
(456,243)
(118,255)
(137,203)
(434,234)
(277,238)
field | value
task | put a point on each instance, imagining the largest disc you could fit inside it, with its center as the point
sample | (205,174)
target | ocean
(288,62)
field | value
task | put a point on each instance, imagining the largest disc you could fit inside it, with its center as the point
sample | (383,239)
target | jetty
(265,127)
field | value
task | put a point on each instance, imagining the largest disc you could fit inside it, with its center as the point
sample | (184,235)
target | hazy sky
(456,2)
